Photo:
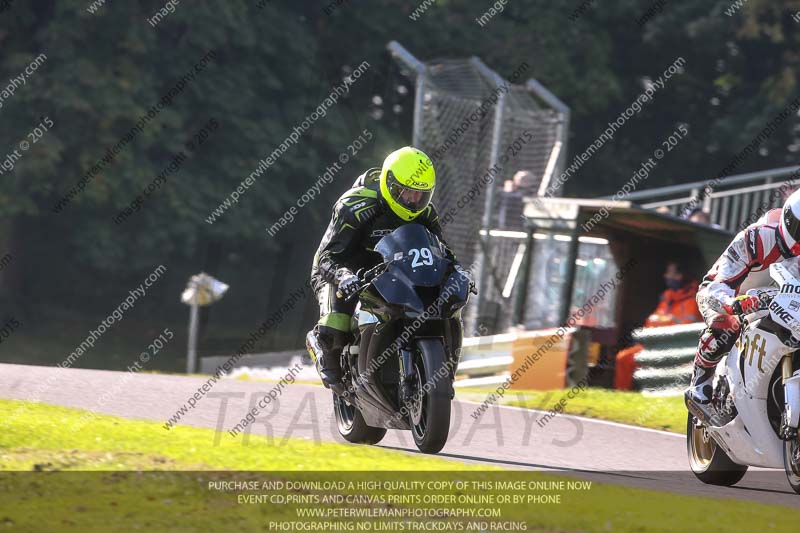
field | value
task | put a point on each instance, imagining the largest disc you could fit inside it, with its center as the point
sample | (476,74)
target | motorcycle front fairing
(397,293)
(748,374)
(414,258)
(456,289)
(785,311)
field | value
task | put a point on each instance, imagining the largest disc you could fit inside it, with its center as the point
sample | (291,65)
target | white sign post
(201,290)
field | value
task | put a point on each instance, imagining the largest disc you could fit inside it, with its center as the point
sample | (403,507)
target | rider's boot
(325,345)
(701,387)
(714,342)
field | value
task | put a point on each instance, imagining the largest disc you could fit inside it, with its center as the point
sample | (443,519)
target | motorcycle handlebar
(763,305)
(364,279)
(367,277)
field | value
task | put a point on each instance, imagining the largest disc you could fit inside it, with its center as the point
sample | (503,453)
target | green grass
(122,493)
(667,413)
(41,437)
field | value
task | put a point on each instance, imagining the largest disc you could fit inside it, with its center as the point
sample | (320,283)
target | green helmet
(407,182)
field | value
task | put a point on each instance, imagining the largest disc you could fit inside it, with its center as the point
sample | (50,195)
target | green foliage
(273,67)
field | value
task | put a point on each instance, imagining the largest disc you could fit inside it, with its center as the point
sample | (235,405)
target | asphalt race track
(505,436)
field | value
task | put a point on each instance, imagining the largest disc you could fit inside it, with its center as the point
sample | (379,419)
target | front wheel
(351,424)
(429,411)
(791,463)
(707,460)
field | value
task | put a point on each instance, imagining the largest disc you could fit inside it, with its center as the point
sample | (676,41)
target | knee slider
(724,323)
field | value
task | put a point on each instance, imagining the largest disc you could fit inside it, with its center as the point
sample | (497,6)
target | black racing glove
(347,283)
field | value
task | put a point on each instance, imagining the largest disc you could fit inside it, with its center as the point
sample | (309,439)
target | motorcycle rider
(380,201)
(774,237)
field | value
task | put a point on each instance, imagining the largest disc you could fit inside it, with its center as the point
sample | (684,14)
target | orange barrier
(545,371)
(549,371)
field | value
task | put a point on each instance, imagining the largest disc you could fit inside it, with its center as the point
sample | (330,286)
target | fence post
(524,280)
(563,109)
(191,355)
(416,135)
(569,277)
(488,205)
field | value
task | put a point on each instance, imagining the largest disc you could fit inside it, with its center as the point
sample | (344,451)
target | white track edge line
(585,419)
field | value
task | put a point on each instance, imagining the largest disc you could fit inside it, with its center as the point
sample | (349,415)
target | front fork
(791,398)
(407,374)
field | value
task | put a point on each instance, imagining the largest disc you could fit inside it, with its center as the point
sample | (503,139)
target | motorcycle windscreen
(395,292)
(416,253)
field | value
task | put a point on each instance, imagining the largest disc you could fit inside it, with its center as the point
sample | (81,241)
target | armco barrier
(665,363)
(485,361)
(210,364)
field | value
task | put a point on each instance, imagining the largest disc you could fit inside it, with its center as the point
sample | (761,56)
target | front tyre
(791,463)
(351,424)
(429,413)
(707,460)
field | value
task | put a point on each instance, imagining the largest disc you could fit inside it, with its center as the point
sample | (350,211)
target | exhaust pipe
(701,412)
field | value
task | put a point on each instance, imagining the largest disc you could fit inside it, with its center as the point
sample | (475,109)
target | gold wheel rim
(702,446)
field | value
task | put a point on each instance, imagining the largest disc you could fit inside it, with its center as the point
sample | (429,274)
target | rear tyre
(430,411)
(707,460)
(351,424)
(791,463)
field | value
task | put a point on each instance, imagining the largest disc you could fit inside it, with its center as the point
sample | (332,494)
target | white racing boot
(702,386)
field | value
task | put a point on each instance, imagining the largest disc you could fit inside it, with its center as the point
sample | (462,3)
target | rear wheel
(351,424)
(791,463)
(429,412)
(707,460)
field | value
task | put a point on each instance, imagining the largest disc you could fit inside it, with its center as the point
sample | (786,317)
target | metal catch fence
(481,130)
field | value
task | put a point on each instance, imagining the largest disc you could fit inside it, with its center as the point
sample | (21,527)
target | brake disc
(416,404)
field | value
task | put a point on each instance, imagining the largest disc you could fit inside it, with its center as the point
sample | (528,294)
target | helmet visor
(791,223)
(412,199)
